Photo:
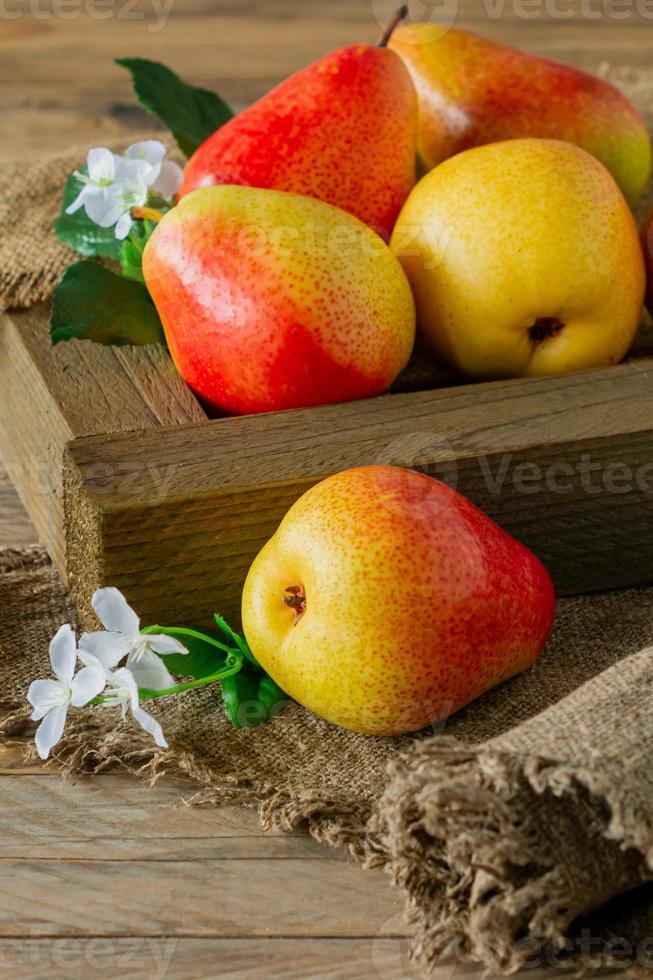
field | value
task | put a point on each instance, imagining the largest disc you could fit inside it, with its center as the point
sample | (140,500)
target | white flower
(164,177)
(51,698)
(124,639)
(102,166)
(116,184)
(112,186)
(124,691)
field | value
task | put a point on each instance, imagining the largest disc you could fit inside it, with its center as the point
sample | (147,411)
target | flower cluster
(101,680)
(115,184)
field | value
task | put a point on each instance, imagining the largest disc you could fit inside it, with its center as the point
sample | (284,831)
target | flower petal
(114,612)
(138,172)
(50,730)
(85,192)
(123,226)
(101,164)
(89,682)
(106,206)
(108,648)
(161,643)
(151,150)
(169,180)
(149,671)
(45,695)
(123,681)
(63,653)
(151,726)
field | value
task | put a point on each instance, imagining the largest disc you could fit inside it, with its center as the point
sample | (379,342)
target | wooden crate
(130,484)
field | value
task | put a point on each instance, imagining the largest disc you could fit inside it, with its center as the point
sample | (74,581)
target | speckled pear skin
(343,130)
(503,241)
(473,91)
(415,602)
(270,300)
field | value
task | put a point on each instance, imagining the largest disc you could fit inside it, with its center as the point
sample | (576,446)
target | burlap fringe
(457,827)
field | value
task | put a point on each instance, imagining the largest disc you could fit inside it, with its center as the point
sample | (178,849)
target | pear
(473,91)
(524,259)
(386,601)
(271,300)
(343,130)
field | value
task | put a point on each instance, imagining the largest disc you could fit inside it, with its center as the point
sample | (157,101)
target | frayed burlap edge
(501,849)
(444,898)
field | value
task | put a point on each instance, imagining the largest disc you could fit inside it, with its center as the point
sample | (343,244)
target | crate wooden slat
(129,484)
(50,396)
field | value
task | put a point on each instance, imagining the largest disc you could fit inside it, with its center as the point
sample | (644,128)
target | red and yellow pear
(271,300)
(342,130)
(474,91)
(385,601)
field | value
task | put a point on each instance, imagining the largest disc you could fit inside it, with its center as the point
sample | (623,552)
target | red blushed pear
(386,601)
(474,91)
(342,130)
(271,300)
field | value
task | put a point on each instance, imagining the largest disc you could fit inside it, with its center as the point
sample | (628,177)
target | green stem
(147,694)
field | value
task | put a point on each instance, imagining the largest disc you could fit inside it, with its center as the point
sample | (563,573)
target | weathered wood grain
(226,898)
(243,49)
(377,958)
(51,395)
(75,958)
(564,463)
(116,818)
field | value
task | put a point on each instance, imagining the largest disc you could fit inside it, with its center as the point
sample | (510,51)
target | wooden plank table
(101,877)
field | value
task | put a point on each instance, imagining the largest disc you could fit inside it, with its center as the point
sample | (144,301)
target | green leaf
(191,114)
(237,640)
(78,232)
(238,692)
(93,303)
(271,695)
(251,698)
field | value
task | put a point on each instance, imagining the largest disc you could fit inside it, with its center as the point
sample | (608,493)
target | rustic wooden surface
(103,878)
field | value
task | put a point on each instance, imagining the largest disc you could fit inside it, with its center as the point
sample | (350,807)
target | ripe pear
(271,300)
(473,91)
(524,259)
(386,601)
(343,130)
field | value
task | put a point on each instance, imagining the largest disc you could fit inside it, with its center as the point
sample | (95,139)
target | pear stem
(400,15)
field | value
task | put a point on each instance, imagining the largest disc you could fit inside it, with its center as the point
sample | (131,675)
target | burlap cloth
(532,809)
